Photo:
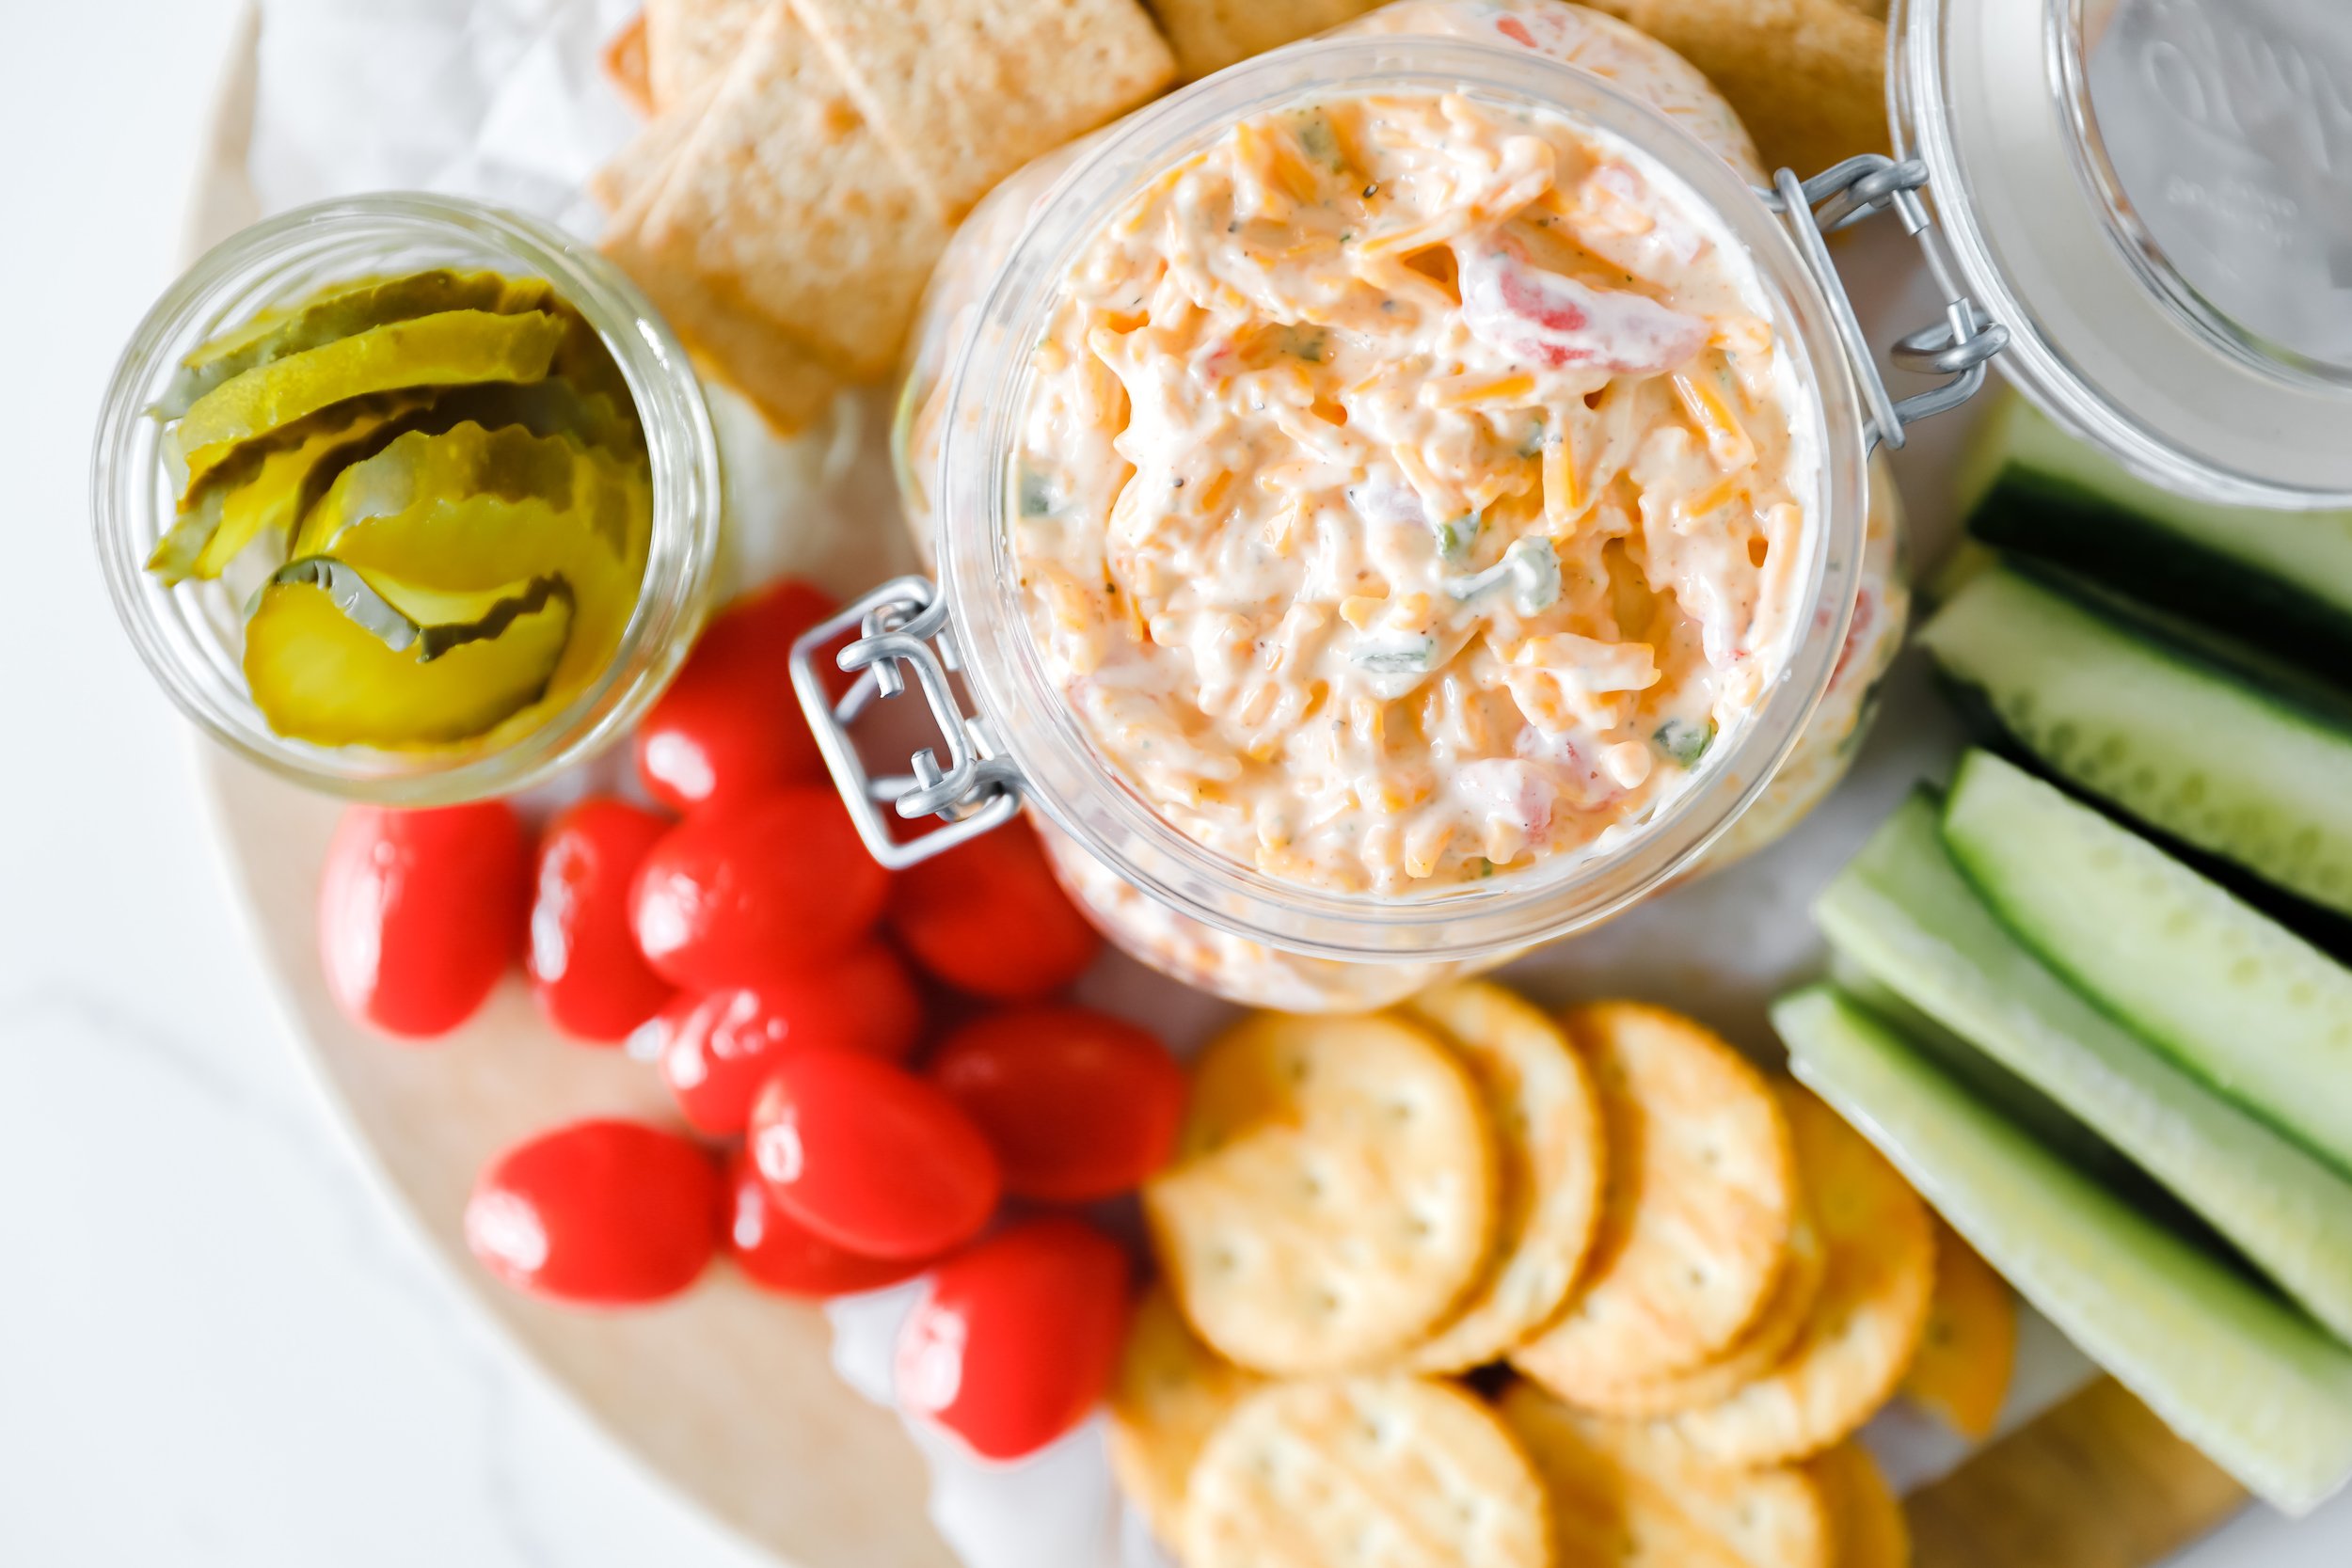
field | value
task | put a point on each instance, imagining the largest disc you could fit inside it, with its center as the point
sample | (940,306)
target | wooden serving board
(729,1395)
(2095,1482)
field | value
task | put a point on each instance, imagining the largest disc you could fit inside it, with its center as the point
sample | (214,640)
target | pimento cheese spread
(1411,488)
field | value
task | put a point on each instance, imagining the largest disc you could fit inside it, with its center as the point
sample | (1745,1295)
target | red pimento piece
(1550,319)
(598,1214)
(871,1157)
(757,892)
(779,1253)
(585,971)
(716,1048)
(1018,1338)
(1078,1106)
(989,918)
(729,728)
(420,911)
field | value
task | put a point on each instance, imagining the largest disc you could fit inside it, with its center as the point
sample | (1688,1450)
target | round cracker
(1757,1351)
(1865,1515)
(1866,1323)
(1969,1348)
(1546,1120)
(1382,1472)
(1616,1501)
(1701,1193)
(1333,1194)
(1170,1393)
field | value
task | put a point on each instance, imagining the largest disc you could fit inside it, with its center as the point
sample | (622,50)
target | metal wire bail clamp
(902,627)
(1956,348)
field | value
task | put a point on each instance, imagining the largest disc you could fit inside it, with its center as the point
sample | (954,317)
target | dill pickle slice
(420,469)
(555,404)
(268,484)
(341,311)
(454,348)
(338,657)
(479,543)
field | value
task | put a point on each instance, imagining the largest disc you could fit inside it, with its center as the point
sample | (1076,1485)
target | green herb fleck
(1308,344)
(1458,534)
(1485,868)
(1036,494)
(1406,656)
(1316,140)
(1684,741)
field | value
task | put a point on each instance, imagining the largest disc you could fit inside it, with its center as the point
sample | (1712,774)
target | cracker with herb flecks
(1969,1348)
(1404,1472)
(1866,1323)
(1333,1194)
(1617,1502)
(1168,1395)
(966,91)
(1546,1120)
(1866,1518)
(1700,1198)
(1765,1344)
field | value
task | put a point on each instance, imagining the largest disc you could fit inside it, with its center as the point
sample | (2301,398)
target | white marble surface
(217,1346)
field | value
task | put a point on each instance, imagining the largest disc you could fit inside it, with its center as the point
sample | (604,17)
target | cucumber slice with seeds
(1903,910)
(2234,1369)
(2177,743)
(2228,993)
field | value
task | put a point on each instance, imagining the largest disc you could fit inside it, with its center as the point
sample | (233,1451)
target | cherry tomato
(778,1252)
(598,1214)
(1018,1338)
(729,728)
(756,893)
(718,1049)
(1078,1106)
(590,980)
(871,1157)
(420,911)
(989,918)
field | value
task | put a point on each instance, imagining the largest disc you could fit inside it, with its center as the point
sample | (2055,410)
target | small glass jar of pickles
(407,499)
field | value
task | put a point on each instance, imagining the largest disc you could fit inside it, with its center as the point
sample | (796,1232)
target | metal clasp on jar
(1956,348)
(903,628)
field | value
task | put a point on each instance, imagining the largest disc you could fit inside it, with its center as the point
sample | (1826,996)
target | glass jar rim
(230,278)
(1033,721)
(2095,340)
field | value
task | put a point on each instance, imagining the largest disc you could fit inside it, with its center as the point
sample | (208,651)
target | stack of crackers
(1690,1286)
(807,159)
(804,161)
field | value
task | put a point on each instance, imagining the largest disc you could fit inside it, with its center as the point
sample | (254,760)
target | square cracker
(1210,35)
(966,91)
(624,61)
(781,377)
(785,203)
(691,43)
(645,159)
(1808,77)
